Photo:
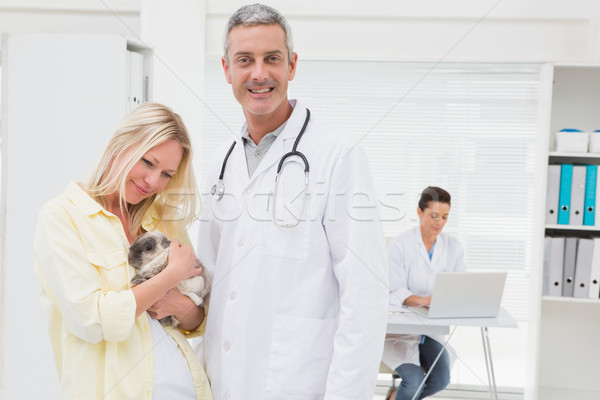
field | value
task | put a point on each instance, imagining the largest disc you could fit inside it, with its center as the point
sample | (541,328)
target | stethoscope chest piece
(218,190)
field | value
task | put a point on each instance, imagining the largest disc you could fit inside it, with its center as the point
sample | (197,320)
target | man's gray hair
(258,14)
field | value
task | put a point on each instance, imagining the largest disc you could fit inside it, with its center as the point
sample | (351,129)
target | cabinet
(568,340)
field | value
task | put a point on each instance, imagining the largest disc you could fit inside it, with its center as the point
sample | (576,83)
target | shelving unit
(568,328)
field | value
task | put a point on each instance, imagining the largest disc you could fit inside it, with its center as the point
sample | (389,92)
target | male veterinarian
(299,300)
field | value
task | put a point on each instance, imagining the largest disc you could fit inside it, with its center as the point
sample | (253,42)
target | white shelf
(577,158)
(587,228)
(556,299)
(574,155)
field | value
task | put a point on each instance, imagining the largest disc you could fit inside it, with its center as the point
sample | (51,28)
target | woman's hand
(182,261)
(181,307)
(172,303)
(414,300)
(425,301)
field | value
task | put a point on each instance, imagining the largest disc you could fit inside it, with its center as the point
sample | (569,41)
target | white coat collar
(440,243)
(284,141)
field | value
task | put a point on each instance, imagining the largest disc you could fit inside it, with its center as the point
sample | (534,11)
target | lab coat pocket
(277,241)
(111,266)
(300,355)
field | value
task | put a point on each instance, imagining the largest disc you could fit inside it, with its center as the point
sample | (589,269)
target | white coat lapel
(238,162)
(421,250)
(438,253)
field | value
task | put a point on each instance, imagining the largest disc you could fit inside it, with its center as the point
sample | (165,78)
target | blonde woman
(105,335)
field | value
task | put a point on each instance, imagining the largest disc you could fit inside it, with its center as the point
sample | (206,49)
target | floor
(381,392)
(453,395)
(453,392)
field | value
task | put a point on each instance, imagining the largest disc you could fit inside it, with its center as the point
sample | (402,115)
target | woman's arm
(71,275)
(173,302)
(398,274)
(181,307)
(192,316)
(182,265)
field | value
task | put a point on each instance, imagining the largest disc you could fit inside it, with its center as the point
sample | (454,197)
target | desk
(405,321)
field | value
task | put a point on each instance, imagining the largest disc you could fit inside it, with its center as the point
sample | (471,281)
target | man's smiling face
(258,68)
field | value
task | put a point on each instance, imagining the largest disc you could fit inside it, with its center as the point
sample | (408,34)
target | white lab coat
(412,273)
(295,313)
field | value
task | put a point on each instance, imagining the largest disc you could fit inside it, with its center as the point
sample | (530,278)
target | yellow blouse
(101,350)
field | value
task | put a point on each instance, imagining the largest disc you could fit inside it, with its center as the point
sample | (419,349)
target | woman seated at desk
(415,257)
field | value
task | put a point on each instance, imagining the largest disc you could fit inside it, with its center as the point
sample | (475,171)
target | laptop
(465,295)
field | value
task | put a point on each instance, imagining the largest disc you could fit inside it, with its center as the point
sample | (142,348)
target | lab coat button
(226,347)
(240,243)
(231,295)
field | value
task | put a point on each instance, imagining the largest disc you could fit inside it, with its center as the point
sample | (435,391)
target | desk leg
(488,363)
(433,365)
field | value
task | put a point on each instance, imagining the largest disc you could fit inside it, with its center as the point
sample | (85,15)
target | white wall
(62,96)
(482,30)
(176,31)
(37,162)
(65,16)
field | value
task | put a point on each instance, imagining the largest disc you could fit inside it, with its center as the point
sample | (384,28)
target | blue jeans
(412,375)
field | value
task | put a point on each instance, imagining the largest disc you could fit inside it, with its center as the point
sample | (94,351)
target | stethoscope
(218,189)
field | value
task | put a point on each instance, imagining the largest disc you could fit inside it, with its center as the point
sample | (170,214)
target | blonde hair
(142,129)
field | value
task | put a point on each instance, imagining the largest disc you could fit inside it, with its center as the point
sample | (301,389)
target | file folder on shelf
(572,141)
(597,214)
(564,194)
(577,195)
(547,259)
(589,201)
(583,267)
(594,285)
(554,252)
(594,142)
(569,266)
(135,77)
(552,189)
